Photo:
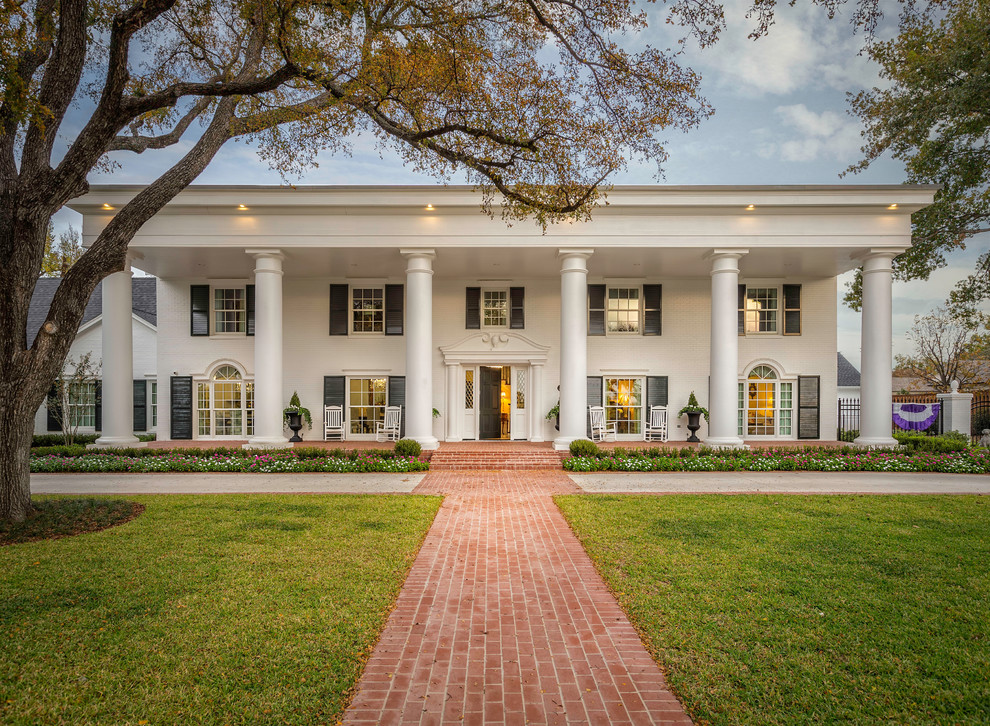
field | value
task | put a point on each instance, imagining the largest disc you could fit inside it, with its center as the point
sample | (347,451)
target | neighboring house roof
(848,375)
(144,302)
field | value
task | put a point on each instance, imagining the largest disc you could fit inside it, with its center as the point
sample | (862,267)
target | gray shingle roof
(144,302)
(848,375)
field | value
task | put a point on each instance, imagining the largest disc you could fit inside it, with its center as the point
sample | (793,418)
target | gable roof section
(848,375)
(144,302)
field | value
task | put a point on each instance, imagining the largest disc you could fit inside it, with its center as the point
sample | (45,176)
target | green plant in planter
(436,413)
(693,407)
(297,408)
(553,412)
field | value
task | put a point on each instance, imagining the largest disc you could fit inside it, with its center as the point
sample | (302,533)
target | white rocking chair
(600,431)
(656,427)
(333,423)
(388,430)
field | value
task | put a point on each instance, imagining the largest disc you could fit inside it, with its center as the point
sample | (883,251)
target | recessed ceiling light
(892,206)
(429,207)
(106,206)
(241,207)
(750,206)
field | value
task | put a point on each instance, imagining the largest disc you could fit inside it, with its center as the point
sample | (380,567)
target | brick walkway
(503,620)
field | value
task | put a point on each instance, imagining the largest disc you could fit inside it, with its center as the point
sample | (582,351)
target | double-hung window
(229,310)
(622,311)
(82,404)
(495,308)
(625,309)
(769,309)
(367,309)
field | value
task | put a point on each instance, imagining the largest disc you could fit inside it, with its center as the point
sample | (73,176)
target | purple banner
(915,416)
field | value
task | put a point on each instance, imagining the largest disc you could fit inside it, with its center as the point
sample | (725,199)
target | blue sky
(780,118)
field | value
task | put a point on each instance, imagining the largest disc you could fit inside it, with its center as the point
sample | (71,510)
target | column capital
(266,253)
(579,252)
(879,253)
(726,252)
(413,252)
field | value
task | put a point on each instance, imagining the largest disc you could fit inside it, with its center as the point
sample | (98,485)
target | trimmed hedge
(44,440)
(78,459)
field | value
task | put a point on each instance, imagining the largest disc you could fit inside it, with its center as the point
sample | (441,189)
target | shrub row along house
(365,297)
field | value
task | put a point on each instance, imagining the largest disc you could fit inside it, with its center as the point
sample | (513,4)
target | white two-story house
(365,297)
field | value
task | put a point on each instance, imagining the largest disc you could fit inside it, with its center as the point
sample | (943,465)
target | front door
(489,403)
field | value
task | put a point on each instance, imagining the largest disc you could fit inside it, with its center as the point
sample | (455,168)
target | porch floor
(483,445)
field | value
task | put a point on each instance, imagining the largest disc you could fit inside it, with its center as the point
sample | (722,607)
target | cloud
(822,135)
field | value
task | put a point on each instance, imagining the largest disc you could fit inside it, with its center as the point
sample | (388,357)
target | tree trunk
(16,430)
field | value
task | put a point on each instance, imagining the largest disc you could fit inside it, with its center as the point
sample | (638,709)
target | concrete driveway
(232,483)
(777,482)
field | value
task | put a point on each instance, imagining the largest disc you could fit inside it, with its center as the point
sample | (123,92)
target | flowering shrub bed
(275,462)
(970,461)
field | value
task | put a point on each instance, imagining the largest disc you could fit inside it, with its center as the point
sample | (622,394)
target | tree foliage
(934,117)
(946,348)
(60,252)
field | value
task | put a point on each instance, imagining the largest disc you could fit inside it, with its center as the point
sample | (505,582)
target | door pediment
(501,346)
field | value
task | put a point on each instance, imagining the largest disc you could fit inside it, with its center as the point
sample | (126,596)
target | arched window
(765,404)
(225,405)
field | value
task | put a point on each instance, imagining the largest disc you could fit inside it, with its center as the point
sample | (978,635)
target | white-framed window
(225,405)
(623,310)
(495,308)
(154,403)
(623,401)
(82,404)
(229,310)
(766,404)
(368,309)
(469,388)
(761,305)
(366,401)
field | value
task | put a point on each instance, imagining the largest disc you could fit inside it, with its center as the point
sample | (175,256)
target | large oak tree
(536,99)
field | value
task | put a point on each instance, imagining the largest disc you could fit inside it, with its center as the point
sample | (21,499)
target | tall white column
(724,351)
(118,362)
(455,403)
(875,379)
(537,413)
(573,346)
(419,347)
(268,402)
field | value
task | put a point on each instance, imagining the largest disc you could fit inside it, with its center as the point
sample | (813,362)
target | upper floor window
(229,310)
(770,309)
(495,308)
(622,310)
(368,309)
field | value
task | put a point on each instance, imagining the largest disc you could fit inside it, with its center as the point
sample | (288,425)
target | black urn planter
(556,422)
(295,423)
(694,423)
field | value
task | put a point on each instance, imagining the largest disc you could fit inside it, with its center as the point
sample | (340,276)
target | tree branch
(139,144)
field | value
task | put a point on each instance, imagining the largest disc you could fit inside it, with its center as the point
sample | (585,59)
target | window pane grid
(495,304)
(154,404)
(368,309)
(229,310)
(367,397)
(622,310)
(786,398)
(624,405)
(469,389)
(520,389)
(82,404)
(761,310)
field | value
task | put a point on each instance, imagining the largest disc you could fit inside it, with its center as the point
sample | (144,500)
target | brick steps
(494,460)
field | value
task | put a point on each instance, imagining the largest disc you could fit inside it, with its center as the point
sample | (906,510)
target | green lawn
(235,609)
(793,609)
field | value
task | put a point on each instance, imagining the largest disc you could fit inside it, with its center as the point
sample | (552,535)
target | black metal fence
(848,423)
(848,428)
(979,414)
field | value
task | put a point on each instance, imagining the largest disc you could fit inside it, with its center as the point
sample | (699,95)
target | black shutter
(99,406)
(393,310)
(53,405)
(472,308)
(397,397)
(338,310)
(249,309)
(180,400)
(199,310)
(741,307)
(517,308)
(792,310)
(140,405)
(809,405)
(594,397)
(333,391)
(656,392)
(652,301)
(596,310)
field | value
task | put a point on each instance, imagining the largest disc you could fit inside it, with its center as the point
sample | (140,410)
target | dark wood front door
(489,416)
